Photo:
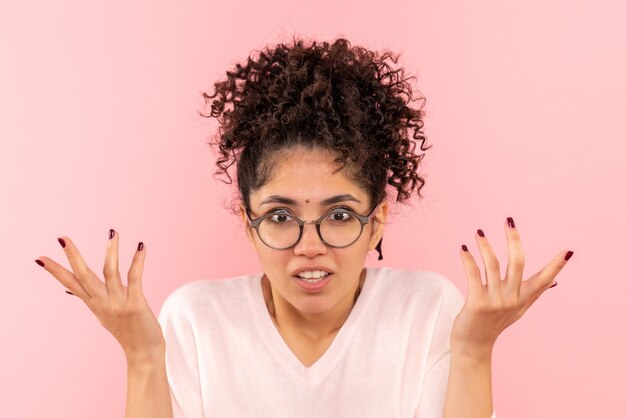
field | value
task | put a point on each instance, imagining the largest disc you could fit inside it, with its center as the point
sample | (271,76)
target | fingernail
(140,246)
(569,255)
(481,233)
(464,247)
(555,283)
(69,293)
(39,262)
(510,221)
(111,233)
(62,242)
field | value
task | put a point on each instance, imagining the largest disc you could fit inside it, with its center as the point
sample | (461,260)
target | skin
(122,310)
(308,178)
(493,306)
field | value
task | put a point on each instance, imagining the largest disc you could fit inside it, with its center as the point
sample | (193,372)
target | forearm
(469,392)
(148,394)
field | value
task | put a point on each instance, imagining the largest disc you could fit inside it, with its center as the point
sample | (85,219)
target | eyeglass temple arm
(380,243)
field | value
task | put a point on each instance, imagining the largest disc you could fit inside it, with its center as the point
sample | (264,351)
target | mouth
(313,284)
(308,271)
(312,278)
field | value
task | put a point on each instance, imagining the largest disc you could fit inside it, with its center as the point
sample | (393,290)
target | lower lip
(314,287)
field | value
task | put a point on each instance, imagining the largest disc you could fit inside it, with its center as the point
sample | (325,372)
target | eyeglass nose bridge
(318,228)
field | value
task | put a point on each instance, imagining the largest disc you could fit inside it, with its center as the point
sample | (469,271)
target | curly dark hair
(336,97)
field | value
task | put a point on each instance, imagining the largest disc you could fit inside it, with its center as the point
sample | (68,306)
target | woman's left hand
(492,307)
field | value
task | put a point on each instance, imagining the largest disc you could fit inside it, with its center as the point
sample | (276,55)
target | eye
(280,216)
(340,214)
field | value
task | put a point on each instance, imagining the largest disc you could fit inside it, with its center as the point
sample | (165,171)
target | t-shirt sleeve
(435,385)
(435,388)
(181,359)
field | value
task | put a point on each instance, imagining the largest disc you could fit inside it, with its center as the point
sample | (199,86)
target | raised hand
(492,307)
(122,310)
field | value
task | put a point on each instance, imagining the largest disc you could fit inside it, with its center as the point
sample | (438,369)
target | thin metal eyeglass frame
(363,219)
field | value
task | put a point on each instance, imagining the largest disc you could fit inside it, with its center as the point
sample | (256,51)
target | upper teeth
(312,274)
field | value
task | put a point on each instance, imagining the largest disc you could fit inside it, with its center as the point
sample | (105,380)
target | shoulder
(201,295)
(425,281)
(422,286)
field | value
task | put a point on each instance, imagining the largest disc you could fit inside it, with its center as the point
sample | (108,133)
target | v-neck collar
(279,348)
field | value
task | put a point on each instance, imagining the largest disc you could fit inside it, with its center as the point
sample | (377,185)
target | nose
(310,243)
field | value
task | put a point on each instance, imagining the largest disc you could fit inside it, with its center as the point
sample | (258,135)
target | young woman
(319,135)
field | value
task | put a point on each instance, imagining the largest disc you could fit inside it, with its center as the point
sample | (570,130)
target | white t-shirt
(391,357)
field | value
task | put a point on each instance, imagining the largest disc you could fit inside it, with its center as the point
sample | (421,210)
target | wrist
(471,352)
(148,357)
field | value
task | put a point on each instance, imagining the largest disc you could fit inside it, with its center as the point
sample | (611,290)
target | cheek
(364,240)
(272,260)
(353,255)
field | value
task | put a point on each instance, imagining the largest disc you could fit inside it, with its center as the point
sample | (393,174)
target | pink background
(525,108)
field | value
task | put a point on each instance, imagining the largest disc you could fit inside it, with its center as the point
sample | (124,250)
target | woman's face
(307,178)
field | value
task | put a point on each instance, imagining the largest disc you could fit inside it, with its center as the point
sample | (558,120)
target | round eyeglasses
(337,228)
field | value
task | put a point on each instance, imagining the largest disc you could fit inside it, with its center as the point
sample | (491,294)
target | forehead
(310,176)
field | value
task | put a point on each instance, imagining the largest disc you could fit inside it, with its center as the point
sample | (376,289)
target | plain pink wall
(525,108)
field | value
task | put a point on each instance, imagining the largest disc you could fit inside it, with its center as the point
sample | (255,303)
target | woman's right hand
(122,310)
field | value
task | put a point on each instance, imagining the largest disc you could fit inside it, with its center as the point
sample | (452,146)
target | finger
(64,276)
(135,272)
(87,278)
(492,266)
(539,282)
(111,272)
(515,266)
(474,281)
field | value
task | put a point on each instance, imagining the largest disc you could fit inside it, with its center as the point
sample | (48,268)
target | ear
(378,224)
(247,227)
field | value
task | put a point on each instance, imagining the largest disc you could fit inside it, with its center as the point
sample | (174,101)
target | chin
(313,307)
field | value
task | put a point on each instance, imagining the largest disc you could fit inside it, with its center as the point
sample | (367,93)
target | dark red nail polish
(62,242)
(111,233)
(481,233)
(69,293)
(140,246)
(555,283)
(39,262)
(510,221)
(569,255)
(464,247)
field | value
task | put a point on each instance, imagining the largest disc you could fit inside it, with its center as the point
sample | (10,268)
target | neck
(312,326)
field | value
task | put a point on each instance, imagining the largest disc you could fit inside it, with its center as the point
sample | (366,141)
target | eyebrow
(331,200)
